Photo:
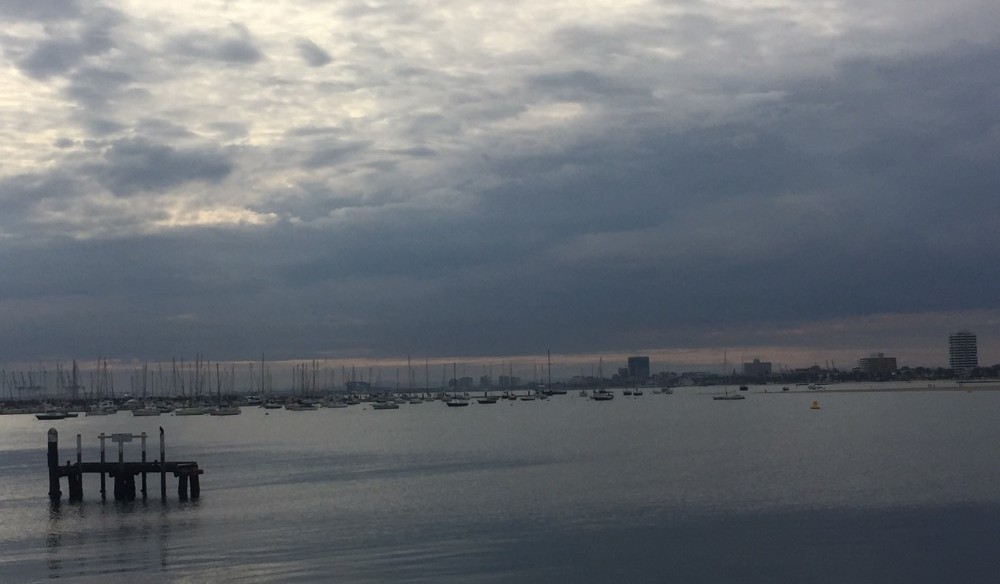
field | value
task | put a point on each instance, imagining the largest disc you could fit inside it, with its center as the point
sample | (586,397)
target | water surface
(873,487)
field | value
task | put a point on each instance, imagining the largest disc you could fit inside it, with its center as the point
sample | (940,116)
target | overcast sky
(365,179)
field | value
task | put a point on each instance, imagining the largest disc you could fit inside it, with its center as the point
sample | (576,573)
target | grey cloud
(65,49)
(235,45)
(100,126)
(330,154)
(39,10)
(230,130)
(581,85)
(160,130)
(20,194)
(54,57)
(133,165)
(875,148)
(417,152)
(857,189)
(312,53)
(94,87)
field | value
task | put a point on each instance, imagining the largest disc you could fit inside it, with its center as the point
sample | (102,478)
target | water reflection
(85,539)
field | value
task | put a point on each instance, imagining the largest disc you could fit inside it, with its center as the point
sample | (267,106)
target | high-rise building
(963,354)
(638,367)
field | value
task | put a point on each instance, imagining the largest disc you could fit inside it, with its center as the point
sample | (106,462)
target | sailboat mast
(549,356)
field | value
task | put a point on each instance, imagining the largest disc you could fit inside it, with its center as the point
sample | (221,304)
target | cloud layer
(466,178)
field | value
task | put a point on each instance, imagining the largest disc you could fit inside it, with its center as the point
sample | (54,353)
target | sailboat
(220,409)
(456,401)
(727,396)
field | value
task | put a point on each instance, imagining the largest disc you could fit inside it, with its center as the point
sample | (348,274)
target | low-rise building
(877,364)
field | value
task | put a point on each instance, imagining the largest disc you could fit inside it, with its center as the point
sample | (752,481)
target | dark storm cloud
(859,174)
(133,165)
(161,130)
(312,53)
(94,87)
(57,56)
(235,46)
(20,194)
(63,50)
(637,185)
(99,126)
(147,283)
(39,10)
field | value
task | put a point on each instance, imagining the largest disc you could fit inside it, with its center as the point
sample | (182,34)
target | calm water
(873,487)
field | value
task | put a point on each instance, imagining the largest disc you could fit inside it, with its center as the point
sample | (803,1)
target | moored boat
(147,410)
(52,415)
(224,411)
(190,411)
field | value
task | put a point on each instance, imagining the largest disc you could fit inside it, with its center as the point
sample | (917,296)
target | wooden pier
(123,473)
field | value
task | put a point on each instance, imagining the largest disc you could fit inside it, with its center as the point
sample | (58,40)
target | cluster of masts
(187,379)
(21,385)
(203,378)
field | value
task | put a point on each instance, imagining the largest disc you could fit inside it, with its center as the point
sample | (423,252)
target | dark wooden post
(195,486)
(79,466)
(54,493)
(75,475)
(120,479)
(163,467)
(182,486)
(104,491)
(144,466)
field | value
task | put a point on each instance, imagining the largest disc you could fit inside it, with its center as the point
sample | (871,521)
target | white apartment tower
(963,355)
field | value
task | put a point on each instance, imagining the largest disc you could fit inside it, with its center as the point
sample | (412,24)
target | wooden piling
(195,486)
(75,488)
(144,472)
(79,467)
(104,491)
(182,486)
(121,493)
(75,479)
(54,493)
(163,467)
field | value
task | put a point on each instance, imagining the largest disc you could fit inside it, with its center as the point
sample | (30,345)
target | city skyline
(526,368)
(358,182)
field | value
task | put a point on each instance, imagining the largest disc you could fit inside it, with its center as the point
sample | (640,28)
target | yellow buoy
(815,406)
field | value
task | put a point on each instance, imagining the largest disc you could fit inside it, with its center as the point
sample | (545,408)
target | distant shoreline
(967,387)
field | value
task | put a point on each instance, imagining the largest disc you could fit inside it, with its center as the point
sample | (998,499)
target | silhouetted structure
(638,368)
(877,364)
(963,353)
(758,369)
